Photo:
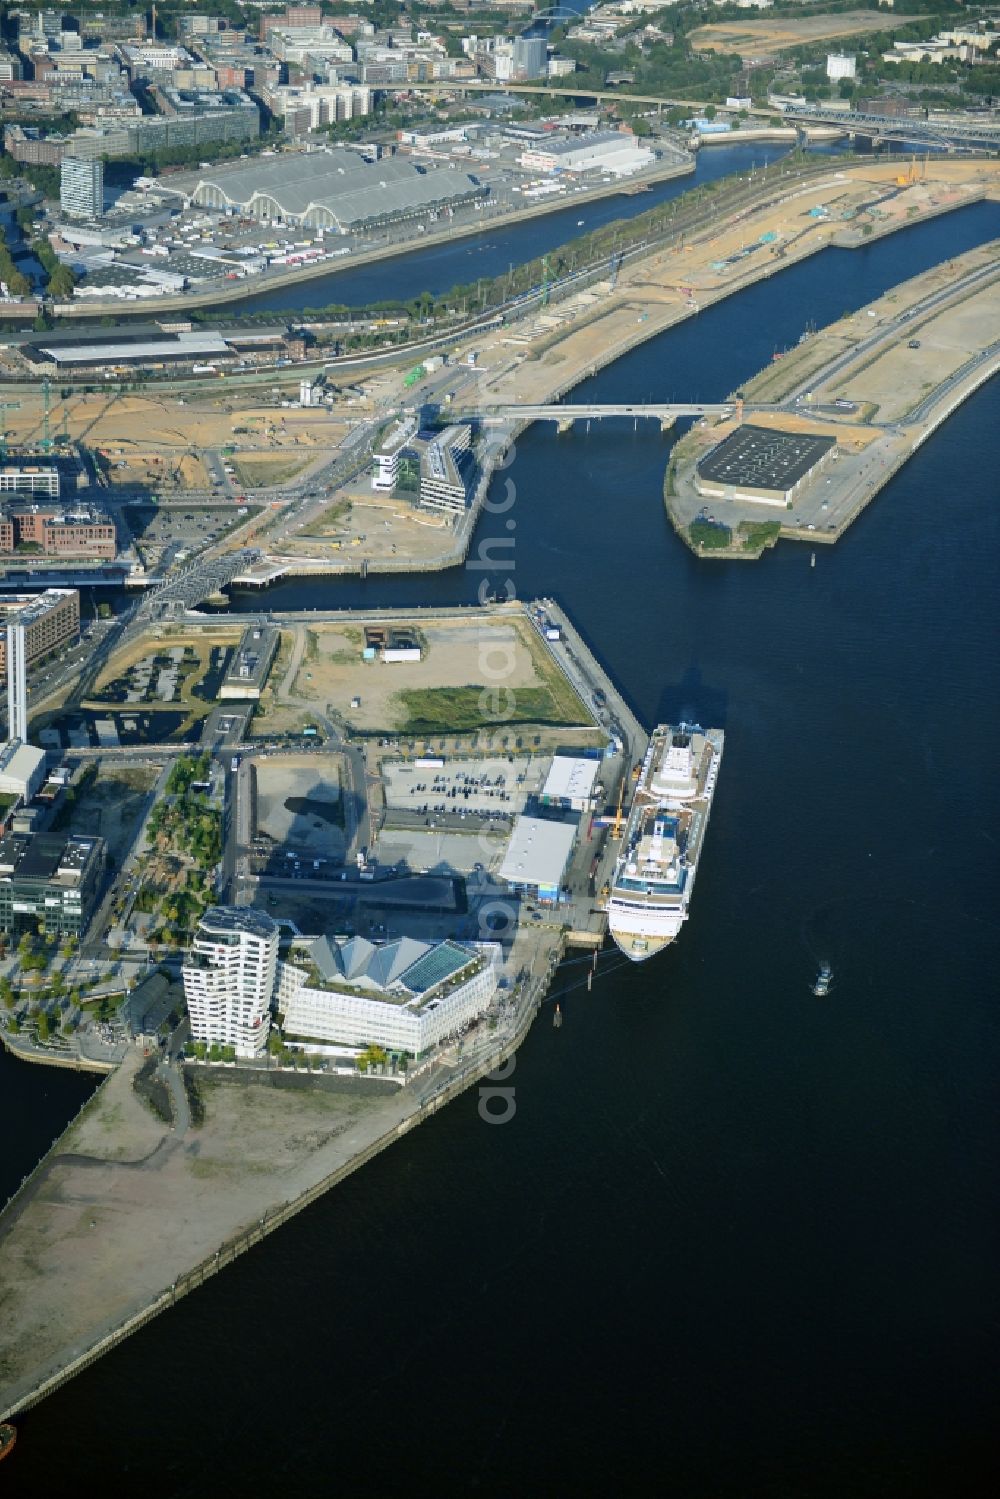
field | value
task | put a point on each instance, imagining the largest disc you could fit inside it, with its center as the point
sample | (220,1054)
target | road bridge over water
(565,415)
(187,589)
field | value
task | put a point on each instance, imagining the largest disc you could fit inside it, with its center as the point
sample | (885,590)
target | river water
(736,1241)
(461,261)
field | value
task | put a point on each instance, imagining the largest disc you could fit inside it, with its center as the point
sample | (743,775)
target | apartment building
(229,977)
(48,621)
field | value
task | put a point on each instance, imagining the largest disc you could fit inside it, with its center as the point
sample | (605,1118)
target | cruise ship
(654,877)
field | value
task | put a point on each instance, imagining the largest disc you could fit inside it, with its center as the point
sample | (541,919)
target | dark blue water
(463,260)
(736,1241)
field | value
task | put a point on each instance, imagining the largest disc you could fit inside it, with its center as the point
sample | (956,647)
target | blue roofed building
(403,995)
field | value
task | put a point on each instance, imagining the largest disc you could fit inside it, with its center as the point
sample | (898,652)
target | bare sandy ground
(889,386)
(389,527)
(902,377)
(769,35)
(134,429)
(668,286)
(130,1204)
(456,654)
(315,779)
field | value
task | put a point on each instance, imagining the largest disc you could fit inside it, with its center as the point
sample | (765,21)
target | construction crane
(6,406)
(616,827)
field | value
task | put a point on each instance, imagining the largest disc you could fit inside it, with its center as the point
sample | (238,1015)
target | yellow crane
(616,827)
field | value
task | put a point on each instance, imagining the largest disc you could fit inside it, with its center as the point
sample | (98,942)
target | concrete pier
(126,1213)
(879,382)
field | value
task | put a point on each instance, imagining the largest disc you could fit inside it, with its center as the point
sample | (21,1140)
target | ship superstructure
(654,877)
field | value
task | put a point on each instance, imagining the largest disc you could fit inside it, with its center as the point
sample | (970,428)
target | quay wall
(529,1002)
(73,1060)
(244,291)
(456,552)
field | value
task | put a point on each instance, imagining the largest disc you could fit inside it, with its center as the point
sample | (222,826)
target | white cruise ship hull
(661,848)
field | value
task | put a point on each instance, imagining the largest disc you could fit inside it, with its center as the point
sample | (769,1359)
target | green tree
(62,282)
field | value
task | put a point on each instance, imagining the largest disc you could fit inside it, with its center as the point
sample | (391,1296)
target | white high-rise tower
(17,682)
(229,978)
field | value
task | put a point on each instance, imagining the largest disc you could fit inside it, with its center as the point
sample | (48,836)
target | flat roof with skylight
(762,463)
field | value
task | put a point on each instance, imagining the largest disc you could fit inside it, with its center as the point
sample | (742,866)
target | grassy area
(438,710)
(329,521)
(254,473)
(759,534)
(710,535)
(457,710)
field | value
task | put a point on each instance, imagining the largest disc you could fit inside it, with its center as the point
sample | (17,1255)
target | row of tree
(16,281)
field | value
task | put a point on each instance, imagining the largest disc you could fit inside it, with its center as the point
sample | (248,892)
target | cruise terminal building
(763,465)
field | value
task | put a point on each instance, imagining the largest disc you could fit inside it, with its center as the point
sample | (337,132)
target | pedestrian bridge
(564,416)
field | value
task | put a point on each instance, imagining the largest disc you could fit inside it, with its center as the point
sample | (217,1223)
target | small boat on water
(823,980)
(8,1436)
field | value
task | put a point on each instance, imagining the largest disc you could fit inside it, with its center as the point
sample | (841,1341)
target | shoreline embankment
(16,1401)
(454,554)
(241,292)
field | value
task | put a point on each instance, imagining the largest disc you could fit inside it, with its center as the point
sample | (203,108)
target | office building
(229,978)
(442,483)
(530,58)
(404,995)
(54,878)
(196,119)
(81,188)
(385,470)
(244,681)
(36,625)
(85,532)
(29,480)
(841,65)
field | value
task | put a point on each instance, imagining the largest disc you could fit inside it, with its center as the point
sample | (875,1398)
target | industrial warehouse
(154,346)
(336,190)
(763,465)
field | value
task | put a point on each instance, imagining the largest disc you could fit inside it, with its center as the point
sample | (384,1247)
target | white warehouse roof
(183,346)
(20,764)
(538,852)
(571,778)
(334,189)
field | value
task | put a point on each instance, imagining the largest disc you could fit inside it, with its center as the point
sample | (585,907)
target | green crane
(6,406)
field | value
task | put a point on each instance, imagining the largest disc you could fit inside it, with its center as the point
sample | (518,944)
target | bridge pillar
(564,424)
(666,422)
